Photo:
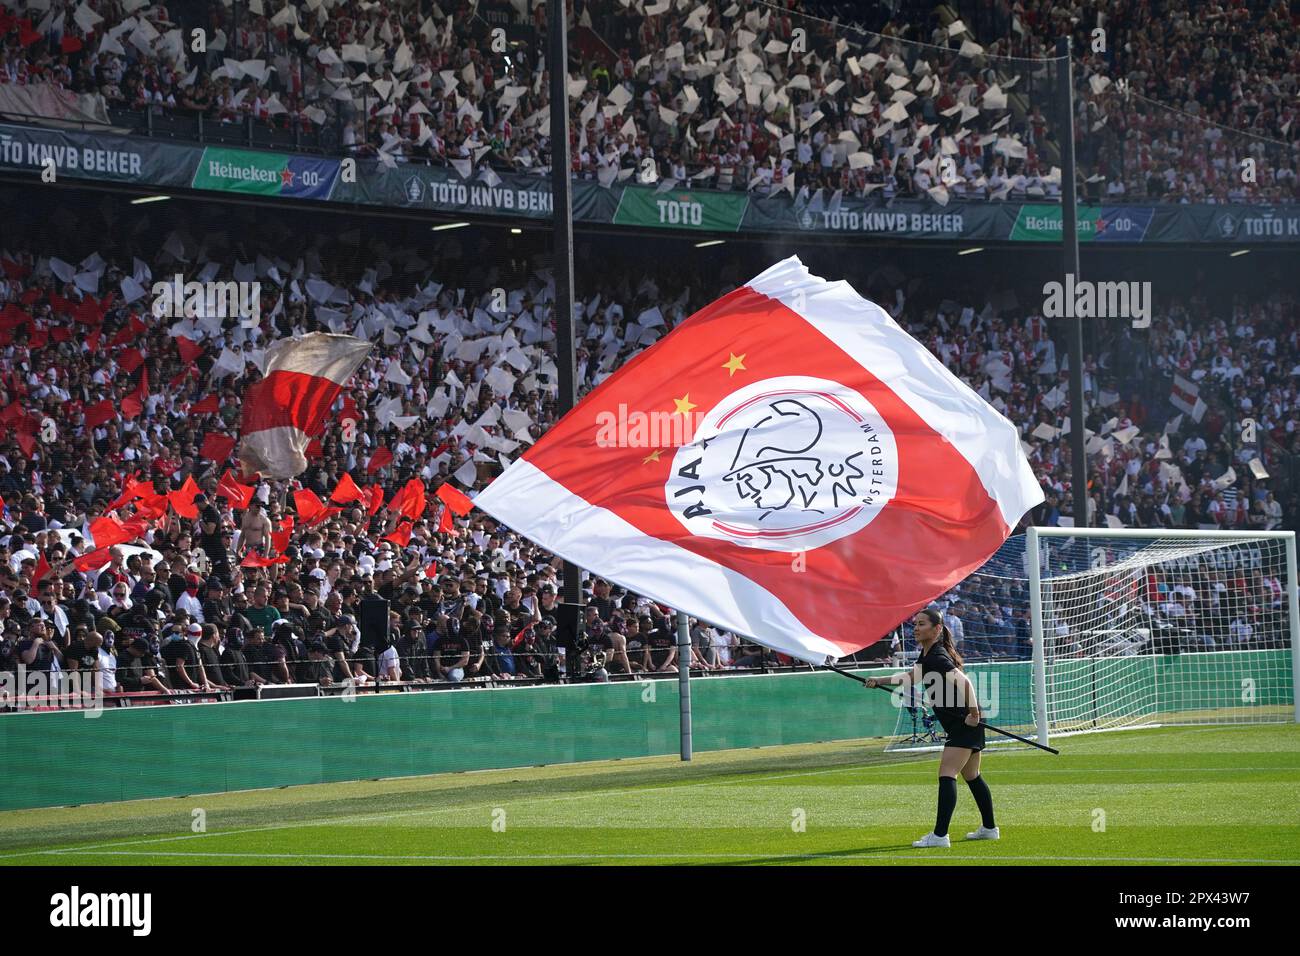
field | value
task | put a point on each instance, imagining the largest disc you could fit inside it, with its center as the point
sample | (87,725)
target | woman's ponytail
(949,647)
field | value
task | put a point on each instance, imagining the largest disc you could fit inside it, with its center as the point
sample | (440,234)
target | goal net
(1149,628)
(1109,629)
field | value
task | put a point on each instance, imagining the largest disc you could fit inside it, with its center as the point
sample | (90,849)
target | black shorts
(961,734)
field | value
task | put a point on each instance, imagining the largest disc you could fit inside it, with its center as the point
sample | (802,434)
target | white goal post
(1147,627)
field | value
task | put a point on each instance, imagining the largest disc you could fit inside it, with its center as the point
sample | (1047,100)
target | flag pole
(1070,247)
(984,724)
(684,682)
(562,255)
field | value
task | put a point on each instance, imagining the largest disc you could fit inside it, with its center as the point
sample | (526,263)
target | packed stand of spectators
(731,96)
(118,419)
(886,98)
(725,97)
(1199,75)
(1148,467)
(472,602)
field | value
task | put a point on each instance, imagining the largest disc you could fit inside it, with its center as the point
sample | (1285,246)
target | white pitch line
(587,795)
(406,814)
(684,856)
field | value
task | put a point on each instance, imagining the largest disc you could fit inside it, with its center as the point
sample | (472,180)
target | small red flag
(152,505)
(376,498)
(189,349)
(109,531)
(255,560)
(42,567)
(230,489)
(182,500)
(216,447)
(93,560)
(70,44)
(206,406)
(130,360)
(409,501)
(129,333)
(280,539)
(99,413)
(346,490)
(401,537)
(310,508)
(133,404)
(455,499)
(445,523)
(379,459)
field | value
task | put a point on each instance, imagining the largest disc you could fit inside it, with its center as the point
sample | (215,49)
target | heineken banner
(103,157)
(266,174)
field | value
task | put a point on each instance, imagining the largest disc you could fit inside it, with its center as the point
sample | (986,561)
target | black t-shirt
(211,543)
(414,658)
(235,667)
(261,658)
(451,648)
(938,688)
(78,656)
(313,671)
(183,652)
(130,669)
(44,656)
(211,658)
(661,642)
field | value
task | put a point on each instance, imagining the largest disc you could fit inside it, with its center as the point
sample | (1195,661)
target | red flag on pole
(255,560)
(379,459)
(189,349)
(400,537)
(310,508)
(346,490)
(409,500)
(828,478)
(182,500)
(133,404)
(93,560)
(230,489)
(99,413)
(216,447)
(455,499)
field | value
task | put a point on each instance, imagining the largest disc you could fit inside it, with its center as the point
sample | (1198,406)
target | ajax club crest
(786,464)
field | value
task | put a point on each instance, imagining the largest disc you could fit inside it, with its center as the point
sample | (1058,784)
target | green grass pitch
(1169,796)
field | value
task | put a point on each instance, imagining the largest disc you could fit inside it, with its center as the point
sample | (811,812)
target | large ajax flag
(787,463)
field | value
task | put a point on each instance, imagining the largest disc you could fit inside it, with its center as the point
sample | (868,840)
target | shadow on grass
(813,857)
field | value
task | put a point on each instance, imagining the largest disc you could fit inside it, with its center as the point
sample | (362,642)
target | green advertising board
(681,209)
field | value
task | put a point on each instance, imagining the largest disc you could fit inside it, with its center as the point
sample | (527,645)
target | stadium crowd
(872,99)
(127,535)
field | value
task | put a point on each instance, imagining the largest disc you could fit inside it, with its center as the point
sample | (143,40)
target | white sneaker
(985,833)
(931,840)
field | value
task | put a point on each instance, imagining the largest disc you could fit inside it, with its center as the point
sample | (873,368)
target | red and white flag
(788,464)
(287,408)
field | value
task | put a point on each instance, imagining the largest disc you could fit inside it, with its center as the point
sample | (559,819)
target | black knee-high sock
(983,799)
(947,803)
